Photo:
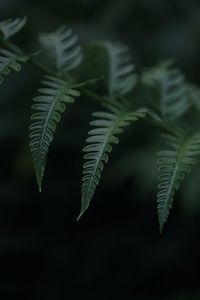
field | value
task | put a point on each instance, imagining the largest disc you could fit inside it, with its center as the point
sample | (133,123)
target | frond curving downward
(174,164)
(107,126)
(120,74)
(48,107)
(113,61)
(171,87)
(65,49)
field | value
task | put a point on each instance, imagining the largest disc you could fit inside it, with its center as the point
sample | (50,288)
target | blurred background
(115,250)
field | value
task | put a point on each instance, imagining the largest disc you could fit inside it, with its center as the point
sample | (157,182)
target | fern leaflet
(63,44)
(10,61)
(173,166)
(48,108)
(11,26)
(114,63)
(170,84)
(107,126)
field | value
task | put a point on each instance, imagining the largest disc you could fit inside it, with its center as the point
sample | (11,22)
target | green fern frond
(119,76)
(173,166)
(107,126)
(11,26)
(171,87)
(10,61)
(63,44)
(49,106)
(113,61)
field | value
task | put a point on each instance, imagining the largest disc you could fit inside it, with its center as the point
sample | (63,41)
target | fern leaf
(120,77)
(63,44)
(173,166)
(10,61)
(11,26)
(49,106)
(170,84)
(107,126)
(113,61)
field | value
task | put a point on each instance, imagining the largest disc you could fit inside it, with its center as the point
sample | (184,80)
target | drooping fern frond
(113,61)
(173,166)
(120,76)
(107,126)
(171,87)
(10,61)
(49,106)
(11,26)
(64,47)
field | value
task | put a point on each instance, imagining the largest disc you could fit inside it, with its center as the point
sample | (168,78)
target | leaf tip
(39,181)
(161,226)
(81,214)
(84,207)
(39,177)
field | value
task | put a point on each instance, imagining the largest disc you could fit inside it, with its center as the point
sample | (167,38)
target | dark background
(115,250)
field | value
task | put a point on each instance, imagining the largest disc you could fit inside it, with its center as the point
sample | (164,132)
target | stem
(10,46)
(92,95)
(42,67)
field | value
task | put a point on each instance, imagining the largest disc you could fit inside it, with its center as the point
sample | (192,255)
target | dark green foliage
(171,101)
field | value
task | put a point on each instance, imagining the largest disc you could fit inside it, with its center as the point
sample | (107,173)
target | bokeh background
(115,250)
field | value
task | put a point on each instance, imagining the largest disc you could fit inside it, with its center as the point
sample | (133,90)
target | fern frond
(11,26)
(107,126)
(49,106)
(173,166)
(114,63)
(63,44)
(10,61)
(171,86)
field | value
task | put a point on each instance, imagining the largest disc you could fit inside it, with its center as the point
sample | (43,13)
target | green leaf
(113,61)
(173,166)
(10,61)
(48,107)
(172,90)
(11,26)
(107,126)
(63,45)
